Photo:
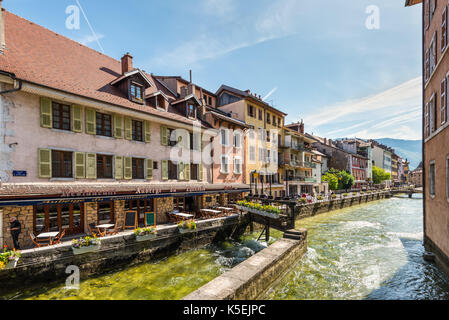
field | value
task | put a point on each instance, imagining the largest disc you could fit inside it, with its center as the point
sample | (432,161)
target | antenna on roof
(190,76)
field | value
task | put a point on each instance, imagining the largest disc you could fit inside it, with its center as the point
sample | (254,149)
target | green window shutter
(44,163)
(181,171)
(200,174)
(77,118)
(149,169)
(164,169)
(46,113)
(128,168)
(80,162)
(91,126)
(118,127)
(118,166)
(91,166)
(147,131)
(164,137)
(128,128)
(187,171)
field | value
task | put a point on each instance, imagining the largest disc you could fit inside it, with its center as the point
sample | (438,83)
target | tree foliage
(331,179)
(380,175)
(338,180)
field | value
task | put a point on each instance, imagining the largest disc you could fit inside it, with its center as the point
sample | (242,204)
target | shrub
(303,200)
(320,198)
(84,242)
(145,231)
(8,256)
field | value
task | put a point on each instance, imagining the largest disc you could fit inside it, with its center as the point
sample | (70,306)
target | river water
(371,251)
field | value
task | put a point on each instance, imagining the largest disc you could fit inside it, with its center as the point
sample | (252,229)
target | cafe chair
(115,231)
(94,231)
(59,237)
(38,243)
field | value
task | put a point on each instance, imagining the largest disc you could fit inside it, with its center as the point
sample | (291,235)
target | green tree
(331,179)
(345,180)
(380,175)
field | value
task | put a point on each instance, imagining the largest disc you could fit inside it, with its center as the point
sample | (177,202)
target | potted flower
(85,245)
(186,226)
(9,259)
(345,195)
(334,196)
(303,200)
(320,198)
(144,234)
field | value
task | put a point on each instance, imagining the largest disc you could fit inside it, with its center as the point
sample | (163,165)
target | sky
(347,67)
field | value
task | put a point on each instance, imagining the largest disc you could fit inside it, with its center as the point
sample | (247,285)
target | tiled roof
(40,56)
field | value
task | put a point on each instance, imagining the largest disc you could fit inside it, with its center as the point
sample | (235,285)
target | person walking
(15,228)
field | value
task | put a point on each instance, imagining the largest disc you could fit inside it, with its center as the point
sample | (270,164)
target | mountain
(406,149)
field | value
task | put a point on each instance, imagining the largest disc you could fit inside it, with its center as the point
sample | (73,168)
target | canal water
(372,251)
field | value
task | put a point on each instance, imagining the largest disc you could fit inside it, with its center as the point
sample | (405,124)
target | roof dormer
(133,82)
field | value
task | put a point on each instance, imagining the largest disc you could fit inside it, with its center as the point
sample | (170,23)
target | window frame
(62,164)
(432,179)
(134,96)
(224,156)
(62,115)
(135,175)
(101,171)
(134,130)
(102,121)
(239,159)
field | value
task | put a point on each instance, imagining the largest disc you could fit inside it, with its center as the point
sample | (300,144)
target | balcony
(302,179)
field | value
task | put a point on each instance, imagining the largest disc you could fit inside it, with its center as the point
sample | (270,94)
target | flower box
(12,264)
(145,237)
(263,213)
(83,250)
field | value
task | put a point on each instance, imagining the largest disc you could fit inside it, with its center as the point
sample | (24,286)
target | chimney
(190,76)
(127,63)
(248,91)
(2,29)
(301,127)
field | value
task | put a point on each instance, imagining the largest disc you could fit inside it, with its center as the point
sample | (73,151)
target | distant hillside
(407,149)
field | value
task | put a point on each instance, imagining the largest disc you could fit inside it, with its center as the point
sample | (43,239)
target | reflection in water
(373,251)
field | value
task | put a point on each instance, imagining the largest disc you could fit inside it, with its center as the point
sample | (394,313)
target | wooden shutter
(46,113)
(200,173)
(77,118)
(443,101)
(164,136)
(128,128)
(118,166)
(147,131)
(187,171)
(91,166)
(426,5)
(80,165)
(118,126)
(181,175)
(444,29)
(128,168)
(44,163)
(427,121)
(164,168)
(149,169)
(427,65)
(91,121)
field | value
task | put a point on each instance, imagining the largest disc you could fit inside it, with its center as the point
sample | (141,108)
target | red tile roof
(38,55)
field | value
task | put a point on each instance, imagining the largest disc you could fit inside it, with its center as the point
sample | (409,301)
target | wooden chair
(115,231)
(38,243)
(94,231)
(58,238)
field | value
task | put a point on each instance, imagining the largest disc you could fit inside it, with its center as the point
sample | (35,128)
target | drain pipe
(13,77)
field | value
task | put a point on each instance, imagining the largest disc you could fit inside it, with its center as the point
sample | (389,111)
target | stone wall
(163,205)
(252,278)
(25,216)
(119,211)
(90,213)
(48,264)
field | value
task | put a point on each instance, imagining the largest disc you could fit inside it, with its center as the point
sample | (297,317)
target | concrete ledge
(253,277)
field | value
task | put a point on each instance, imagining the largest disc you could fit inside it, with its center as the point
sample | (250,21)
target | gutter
(15,80)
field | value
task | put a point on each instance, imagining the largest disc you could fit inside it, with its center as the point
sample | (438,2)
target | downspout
(13,77)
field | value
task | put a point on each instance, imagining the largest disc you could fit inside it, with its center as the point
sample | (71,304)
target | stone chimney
(127,63)
(301,127)
(2,29)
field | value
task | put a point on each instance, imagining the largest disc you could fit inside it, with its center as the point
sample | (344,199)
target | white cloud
(219,8)
(89,38)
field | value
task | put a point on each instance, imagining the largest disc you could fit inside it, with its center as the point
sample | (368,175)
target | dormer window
(136,92)
(191,111)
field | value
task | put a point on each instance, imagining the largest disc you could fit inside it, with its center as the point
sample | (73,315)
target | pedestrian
(15,228)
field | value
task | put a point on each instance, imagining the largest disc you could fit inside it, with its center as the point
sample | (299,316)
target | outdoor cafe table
(182,215)
(210,211)
(225,209)
(48,235)
(105,226)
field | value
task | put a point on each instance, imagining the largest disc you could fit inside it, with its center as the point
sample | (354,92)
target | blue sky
(317,57)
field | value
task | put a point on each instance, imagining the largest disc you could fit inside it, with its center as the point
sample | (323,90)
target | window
(194,168)
(447,178)
(260,114)
(427,65)
(268,118)
(432,8)
(61,116)
(138,168)
(172,171)
(137,130)
(61,164)
(433,54)
(59,217)
(224,164)
(443,102)
(433,120)
(104,166)
(210,101)
(237,140)
(191,112)
(251,111)
(179,203)
(432,178)
(274,120)
(105,212)
(427,121)
(252,153)
(444,30)
(224,137)
(155,165)
(237,165)
(136,92)
(104,124)
(261,154)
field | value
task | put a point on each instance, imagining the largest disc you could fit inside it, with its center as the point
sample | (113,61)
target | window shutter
(128,168)
(181,175)
(164,169)
(426,117)
(118,127)
(46,115)
(44,163)
(149,169)
(200,173)
(118,164)
(187,171)
(91,166)
(427,65)
(426,5)
(128,129)
(443,101)
(90,121)
(77,118)
(164,137)
(147,131)
(444,30)
(80,165)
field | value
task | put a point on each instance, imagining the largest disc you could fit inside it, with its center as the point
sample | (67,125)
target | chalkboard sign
(130,219)
(150,219)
